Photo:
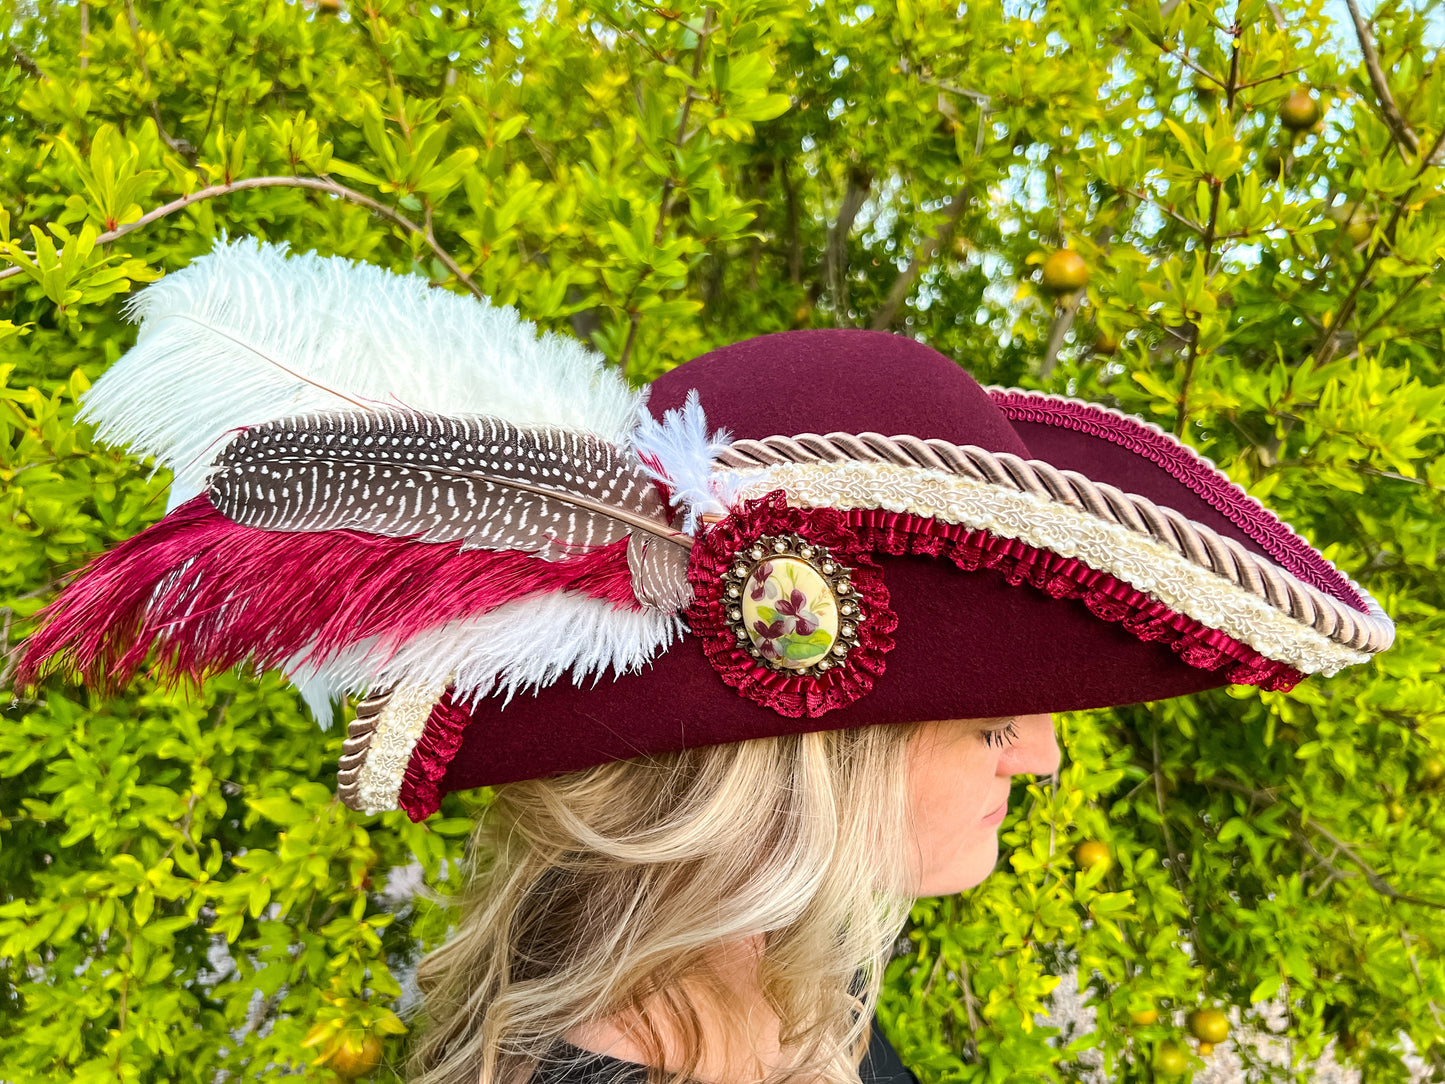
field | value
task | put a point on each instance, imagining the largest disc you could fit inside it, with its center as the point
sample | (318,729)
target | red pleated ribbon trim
(852,537)
(441,738)
(1107,597)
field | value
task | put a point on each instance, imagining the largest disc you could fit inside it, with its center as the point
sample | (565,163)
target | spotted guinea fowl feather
(478,480)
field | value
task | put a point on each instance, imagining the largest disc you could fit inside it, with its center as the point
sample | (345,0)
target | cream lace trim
(1144,564)
(378,747)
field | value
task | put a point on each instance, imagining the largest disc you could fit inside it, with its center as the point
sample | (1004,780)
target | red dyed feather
(209,594)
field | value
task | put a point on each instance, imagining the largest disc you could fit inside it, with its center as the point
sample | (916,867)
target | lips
(998,813)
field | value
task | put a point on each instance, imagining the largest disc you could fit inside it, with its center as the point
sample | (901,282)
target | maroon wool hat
(803,531)
(986,624)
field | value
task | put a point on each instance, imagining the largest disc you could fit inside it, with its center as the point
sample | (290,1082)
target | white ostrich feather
(679,453)
(248,334)
(520,646)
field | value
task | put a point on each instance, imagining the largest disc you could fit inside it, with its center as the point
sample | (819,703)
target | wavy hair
(601,894)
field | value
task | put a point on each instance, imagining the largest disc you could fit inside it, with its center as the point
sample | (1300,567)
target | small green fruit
(1300,110)
(1169,1060)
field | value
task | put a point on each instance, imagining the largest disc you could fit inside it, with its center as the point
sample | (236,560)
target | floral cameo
(791,609)
(791,605)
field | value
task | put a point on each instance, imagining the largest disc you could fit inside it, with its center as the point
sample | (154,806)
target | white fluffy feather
(247,334)
(679,453)
(521,646)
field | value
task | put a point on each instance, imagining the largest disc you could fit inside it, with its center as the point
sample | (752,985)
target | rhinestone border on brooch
(837,578)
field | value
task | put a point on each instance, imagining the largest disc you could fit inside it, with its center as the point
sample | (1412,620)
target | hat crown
(838,381)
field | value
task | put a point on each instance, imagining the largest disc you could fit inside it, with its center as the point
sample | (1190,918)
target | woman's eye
(1004,735)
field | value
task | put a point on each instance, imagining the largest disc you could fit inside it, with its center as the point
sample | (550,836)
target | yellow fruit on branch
(1064,272)
(1144,1017)
(354,1058)
(1209,1025)
(1092,853)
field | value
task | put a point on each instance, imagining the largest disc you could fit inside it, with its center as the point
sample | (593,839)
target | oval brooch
(791,609)
(793,604)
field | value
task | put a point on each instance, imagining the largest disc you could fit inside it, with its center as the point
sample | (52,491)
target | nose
(1036,751)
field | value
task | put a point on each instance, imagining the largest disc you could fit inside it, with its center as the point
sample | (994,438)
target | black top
(881,1065)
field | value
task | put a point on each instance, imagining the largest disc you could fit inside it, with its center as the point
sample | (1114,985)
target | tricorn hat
(522,567)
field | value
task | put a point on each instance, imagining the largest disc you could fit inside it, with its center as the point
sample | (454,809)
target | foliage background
(180,897)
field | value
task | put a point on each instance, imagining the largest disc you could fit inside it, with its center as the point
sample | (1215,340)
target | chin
(967,870)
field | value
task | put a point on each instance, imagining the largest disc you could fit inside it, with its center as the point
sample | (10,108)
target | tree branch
(1059,328)
(1404,136)
(669,188)
(923,255)
(316,184)
(26,63)
(835,259)
(1373,877)
(1324,349)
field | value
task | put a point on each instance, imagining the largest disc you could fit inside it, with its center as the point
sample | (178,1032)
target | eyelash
(1004,735)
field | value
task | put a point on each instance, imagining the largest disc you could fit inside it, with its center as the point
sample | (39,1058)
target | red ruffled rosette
(788,694)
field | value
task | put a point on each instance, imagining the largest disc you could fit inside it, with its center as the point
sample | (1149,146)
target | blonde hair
(597,891)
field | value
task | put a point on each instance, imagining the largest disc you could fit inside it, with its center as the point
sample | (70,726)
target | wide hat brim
(1019,627)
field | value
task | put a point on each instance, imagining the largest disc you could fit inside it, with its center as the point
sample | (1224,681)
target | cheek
(951,790)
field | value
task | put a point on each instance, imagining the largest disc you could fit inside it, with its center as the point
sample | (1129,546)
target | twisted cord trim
(1185,465)
(1369,632)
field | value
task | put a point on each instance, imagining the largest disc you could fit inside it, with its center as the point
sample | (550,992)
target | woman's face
(959,775)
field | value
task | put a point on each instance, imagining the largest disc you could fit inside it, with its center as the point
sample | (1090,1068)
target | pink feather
(209,594)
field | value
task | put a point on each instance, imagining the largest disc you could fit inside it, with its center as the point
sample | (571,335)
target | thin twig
(1169,839)
(1406,292)
(970,1004)
(1373,877)
(5,652)
(669,189)
(1391,474)
(1216,186)
(1404,135)
(180,146)
(795,234)
(1169,210)
(1415,967)
(315,183)
(923,255)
